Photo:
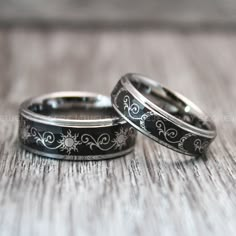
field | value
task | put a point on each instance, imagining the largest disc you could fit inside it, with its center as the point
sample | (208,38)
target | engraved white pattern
(104,139)
(46,138)
(183,139)
(133,109)
(115,96)
(71,141)
(201,147)
(170,134)
(25,131)
(143,119)
(101,142)
(121,138)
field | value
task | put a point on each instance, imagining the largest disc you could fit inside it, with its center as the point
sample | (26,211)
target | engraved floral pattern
(102,142)
(169,134)
(25,131)
(121,138)
(72,141)
(169,137)
(133,109)
(200,146)
(69,142)
(46,139)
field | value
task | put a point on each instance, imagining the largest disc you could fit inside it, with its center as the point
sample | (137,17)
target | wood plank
(113,13)
(4,63)
(153,191)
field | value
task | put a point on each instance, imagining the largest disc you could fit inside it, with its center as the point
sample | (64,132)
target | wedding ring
(74,126)
(164,116)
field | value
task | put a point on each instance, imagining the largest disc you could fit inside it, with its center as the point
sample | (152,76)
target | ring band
(164,116)
(74,126)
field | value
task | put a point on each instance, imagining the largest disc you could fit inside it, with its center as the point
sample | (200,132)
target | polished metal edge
(74,125)
(28,114)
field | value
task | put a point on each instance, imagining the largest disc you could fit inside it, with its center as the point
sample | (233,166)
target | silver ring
(74,126)
(163,115)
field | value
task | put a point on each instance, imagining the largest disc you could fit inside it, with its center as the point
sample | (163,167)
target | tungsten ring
(74,126)
(164,116)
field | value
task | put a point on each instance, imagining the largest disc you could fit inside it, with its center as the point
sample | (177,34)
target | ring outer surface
(155,125)
(74,142)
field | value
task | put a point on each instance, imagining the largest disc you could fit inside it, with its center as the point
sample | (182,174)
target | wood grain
(152,191)
(186,14)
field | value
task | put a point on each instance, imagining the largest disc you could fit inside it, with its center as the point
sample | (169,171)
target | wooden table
(183,14)
(153,191)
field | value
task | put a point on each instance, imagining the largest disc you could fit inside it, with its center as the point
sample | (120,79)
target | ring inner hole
(79,108)
(171,104)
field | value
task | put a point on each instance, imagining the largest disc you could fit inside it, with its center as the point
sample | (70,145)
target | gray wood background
(153,191)
(152,13)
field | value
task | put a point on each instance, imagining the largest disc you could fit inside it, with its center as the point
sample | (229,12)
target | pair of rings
(88,126)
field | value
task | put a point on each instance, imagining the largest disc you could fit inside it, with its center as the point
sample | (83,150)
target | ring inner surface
(75,108)
(170,103)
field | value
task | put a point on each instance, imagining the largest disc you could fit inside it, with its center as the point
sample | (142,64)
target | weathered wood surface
(163,13)
(153,191)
